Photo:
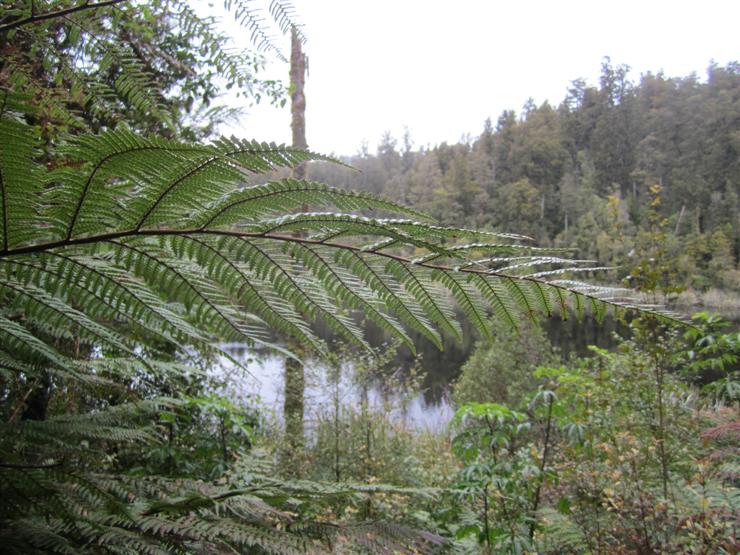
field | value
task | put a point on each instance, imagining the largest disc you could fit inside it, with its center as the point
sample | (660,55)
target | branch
(37,18)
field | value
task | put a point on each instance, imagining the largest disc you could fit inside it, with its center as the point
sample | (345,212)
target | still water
(431,408)
(263,384)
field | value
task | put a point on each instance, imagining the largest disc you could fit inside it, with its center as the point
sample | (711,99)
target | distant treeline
(639,174)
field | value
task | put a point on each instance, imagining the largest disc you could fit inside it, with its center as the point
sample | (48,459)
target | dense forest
(602,172)
(146,262)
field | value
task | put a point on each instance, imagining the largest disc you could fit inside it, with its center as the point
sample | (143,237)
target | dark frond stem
(37,18)
(111,237)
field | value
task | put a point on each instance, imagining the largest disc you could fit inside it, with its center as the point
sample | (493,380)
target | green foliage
(626,441)
(501,370)
(712,357)
(501,478)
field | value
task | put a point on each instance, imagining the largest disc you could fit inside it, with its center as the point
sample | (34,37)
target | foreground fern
(119,248)
(154,234)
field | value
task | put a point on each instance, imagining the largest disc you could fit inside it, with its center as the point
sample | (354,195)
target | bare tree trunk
(542,207)
(298,98)
(680,217)
(293,405)
(294,371)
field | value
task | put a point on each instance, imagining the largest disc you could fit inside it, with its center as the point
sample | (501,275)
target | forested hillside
(615,170)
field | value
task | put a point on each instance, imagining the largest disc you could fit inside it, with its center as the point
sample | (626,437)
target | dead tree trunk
(294,372)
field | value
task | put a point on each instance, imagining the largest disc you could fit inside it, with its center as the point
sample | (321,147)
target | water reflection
(431,408)
(263,383)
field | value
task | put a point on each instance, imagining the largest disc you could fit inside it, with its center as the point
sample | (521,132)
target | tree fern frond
(273,265)
(56,317)
(131,80)
(574,270)
(431,300)
(465,297)
(40,535)
(284,15)
(202,299)
(252,20)
(125,295)
(126,181)
(347,289)
(17,339)
(19,179)
(347,225)
(509,249)
(395,300)
(521,294)
(497,297)
(273,198)
(152,233)
(388,537)
(240,284)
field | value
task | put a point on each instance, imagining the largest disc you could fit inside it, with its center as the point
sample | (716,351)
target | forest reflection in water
(429,408)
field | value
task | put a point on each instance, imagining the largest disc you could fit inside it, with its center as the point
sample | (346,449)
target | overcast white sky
(441,68)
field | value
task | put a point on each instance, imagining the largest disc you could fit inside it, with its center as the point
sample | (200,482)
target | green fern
(159,224)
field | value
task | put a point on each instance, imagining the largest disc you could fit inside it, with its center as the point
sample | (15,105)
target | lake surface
(264,385)
(431,409)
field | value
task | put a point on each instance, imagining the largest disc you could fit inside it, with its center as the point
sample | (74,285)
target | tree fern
(119,206)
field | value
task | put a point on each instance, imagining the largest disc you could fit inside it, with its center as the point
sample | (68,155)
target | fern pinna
(116,248)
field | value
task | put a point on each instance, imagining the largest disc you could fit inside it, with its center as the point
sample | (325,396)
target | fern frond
(55,317)
(284,15)
(252,20)
(202,299)
(154,234)
(244,287)
(262,201)
(466,298)
(347,289)
(430,299)
(17,340)
(272,264)
(396,300)
(20,182)
(497,298)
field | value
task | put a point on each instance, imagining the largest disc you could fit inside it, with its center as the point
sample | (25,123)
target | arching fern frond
(165,236)
(254,22)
